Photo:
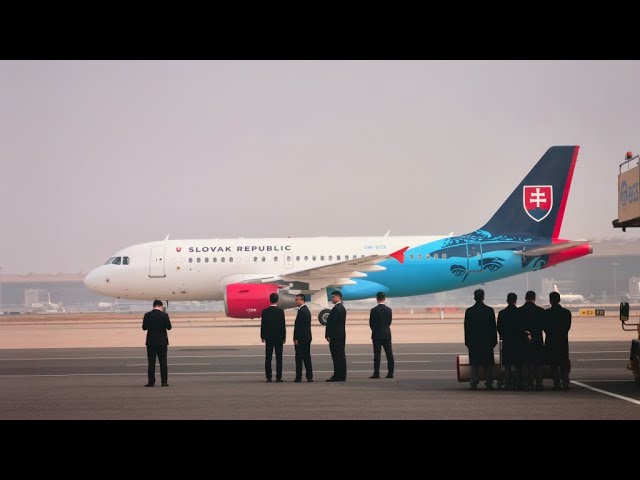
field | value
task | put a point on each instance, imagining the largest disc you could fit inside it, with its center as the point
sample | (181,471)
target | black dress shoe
(297,380)
(389,375)
(374,376)
(150,385)
(269,380)
(278,380)
(309,379)
(332,379)
(165,384)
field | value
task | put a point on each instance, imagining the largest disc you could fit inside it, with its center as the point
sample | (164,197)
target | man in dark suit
(336,335)
(380,323)
(556,343)
(480,337)
(512,334)
(302,339)
(532,322)
(273,333)
(156,323)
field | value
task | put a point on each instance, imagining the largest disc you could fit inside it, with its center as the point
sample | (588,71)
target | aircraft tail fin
(536,207)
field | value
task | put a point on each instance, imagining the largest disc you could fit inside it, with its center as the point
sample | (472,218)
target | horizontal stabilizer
(550,249)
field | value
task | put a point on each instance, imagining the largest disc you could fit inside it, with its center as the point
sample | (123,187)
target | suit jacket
(533,318)
(272,325)
(336,323)
(156,323)
(380,322)
(302,325)
(480,334)
(512,333)
(556,329)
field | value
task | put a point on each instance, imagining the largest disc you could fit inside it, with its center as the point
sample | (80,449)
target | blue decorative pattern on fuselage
(446,265)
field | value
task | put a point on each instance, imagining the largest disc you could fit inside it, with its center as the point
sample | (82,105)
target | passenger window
(419,256)
(427,256)
(198,260)
(330,258)
(306,259)
(338,257)
(435,256)
(215,259)
(206,259)
(346,257)
(222,259)
(297,259)
(322,258)
(125,260)
(230,259)
(264,259)
(275,259)
(313,258)
(190,260)
(255,259)
(288,258)
(444,256)
(411,256)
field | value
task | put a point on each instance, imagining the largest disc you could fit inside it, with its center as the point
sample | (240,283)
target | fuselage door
(156,262)
(474,257)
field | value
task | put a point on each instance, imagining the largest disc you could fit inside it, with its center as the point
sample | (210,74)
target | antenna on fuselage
(387,234)
(167,237)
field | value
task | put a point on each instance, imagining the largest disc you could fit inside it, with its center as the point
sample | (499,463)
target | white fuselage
(200,269)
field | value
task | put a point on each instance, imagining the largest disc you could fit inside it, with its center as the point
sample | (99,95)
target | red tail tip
(399,255)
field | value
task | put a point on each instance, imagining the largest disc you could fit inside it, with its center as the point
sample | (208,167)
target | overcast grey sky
(99,155)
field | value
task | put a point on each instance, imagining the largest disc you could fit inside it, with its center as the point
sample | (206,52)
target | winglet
(399,255)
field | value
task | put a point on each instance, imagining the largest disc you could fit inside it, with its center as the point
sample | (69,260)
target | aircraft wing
(335,274)
(549,249)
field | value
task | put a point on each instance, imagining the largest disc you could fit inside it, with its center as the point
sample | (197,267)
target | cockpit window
(118,261)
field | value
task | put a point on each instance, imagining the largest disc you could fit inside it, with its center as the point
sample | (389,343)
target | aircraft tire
(323,315)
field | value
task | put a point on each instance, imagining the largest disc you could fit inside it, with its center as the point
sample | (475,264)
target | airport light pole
(615,289)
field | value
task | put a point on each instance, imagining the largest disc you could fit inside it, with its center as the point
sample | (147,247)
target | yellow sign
(592,312)
(629,194)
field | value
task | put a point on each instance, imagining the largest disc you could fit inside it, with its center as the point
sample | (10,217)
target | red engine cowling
(247,300)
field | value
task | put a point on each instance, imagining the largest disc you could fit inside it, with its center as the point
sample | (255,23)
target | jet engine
(247,300)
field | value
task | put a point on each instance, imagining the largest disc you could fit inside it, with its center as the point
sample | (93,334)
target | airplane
(569,297)
(522,236)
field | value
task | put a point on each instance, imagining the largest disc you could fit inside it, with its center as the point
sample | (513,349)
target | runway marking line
(402,361)
(197,373)
(603,360)
(604,392)
(211,356)
(169,364)
(13,359)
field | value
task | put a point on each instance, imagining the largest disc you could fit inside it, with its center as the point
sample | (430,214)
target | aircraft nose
(92,280)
